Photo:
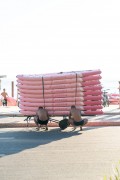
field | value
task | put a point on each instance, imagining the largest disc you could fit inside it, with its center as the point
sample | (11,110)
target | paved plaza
(89,154)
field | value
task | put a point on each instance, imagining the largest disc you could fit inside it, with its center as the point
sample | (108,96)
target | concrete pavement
(90,154)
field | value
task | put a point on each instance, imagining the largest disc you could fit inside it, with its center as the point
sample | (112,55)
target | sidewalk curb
(15,125)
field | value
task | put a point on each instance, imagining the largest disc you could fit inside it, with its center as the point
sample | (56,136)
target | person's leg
(72,123)
(81,123)
(43,123)
(36,122)
(80,128)
(85,121)
(46,124)
(5,102)
(46,128)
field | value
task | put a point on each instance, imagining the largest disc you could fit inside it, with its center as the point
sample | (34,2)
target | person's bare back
(75,118)
(42,114)
(41,118)
(4,94)
(75,114)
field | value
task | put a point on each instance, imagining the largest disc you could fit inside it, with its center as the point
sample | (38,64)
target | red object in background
(114,98)
(10,102)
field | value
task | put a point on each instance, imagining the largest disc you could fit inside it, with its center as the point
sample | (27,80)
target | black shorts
(4,102)
(80,123)
(42,122)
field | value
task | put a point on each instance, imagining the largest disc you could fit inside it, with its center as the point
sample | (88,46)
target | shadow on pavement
(12,142)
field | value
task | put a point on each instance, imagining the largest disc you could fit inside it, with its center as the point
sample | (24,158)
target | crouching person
(41,118)
(75,118)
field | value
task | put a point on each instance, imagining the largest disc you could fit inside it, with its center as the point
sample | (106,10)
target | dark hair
(73,106)
(40,107)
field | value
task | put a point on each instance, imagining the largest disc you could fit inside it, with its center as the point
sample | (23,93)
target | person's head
(40,107)
(4,89)
(73,107)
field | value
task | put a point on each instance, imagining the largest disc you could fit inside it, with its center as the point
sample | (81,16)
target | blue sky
(39,36)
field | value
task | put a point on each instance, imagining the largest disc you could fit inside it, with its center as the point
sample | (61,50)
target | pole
(2,76)
(12,88)
(0,84)
(119,93)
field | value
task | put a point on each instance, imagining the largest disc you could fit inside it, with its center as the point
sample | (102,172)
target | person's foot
(46,129)
(80,128)
(37,129)
(74,128)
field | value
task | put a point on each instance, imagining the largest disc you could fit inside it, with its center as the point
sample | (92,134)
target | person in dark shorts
(41,118)
(75,118)
(4,97)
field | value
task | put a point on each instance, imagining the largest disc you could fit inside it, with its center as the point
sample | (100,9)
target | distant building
(2,76)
